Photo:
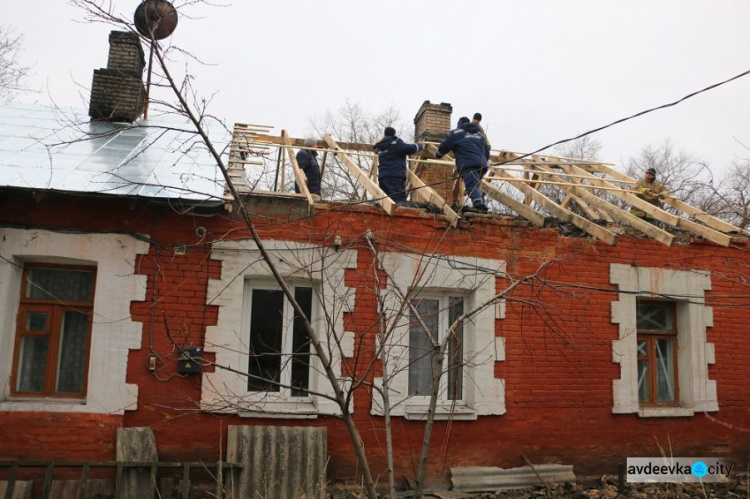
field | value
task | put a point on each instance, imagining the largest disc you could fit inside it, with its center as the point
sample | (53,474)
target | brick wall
(558,370)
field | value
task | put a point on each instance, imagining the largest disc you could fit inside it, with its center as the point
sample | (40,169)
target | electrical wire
(636,115)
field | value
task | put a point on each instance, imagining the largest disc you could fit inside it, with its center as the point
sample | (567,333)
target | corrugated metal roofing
(47,148)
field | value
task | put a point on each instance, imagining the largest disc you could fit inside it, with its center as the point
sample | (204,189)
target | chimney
(117,92)
(433,123)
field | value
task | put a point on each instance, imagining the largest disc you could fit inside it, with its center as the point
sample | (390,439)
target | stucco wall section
(226,391)
(113,331)
(694,353)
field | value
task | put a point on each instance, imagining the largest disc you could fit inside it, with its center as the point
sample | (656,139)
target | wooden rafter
(373,175)
(661,215)
(299,175)
(526,212)
(378,195)
(562,213)
(694,212)
(576,178)
(620,214)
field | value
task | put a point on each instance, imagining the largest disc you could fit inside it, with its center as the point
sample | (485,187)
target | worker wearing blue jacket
(472,152)
(307,159)
(392,153)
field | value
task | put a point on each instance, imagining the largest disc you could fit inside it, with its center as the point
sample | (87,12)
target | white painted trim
(694,353)
(226,392)
(474,278)
(113,331)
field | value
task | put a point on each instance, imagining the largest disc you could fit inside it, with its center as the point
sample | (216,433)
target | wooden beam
(694,212)
(563,214)
(375,191)
(323,164)
(668,218)
(535,181)
(299,175)
(430,196)
(531,179)
(526,212)
(572,197)
(349,146)
(647,228)
(373,175)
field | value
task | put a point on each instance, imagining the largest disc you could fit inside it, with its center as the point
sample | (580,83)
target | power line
(636,115)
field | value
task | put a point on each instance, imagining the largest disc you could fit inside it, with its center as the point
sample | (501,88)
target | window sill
(282,410)
(39,403)
(442,412)
(665,412)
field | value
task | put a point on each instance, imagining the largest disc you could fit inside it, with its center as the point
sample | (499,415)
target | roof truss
(518,183)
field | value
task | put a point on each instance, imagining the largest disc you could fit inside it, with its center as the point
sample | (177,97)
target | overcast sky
(539,71)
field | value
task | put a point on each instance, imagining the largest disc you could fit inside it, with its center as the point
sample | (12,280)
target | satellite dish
(157,18)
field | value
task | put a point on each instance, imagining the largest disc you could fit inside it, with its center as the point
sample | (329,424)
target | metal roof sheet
(42,147)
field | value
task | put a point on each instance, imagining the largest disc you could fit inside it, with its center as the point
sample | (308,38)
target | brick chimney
(433,123)
(117,92)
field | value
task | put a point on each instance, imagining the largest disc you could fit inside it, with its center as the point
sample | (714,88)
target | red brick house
(118,253)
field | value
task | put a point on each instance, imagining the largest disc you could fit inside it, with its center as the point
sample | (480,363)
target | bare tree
(12,72)
(352,123)
(681,172)
(586,147)
(729,199)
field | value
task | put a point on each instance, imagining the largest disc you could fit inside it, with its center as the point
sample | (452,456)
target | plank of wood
(323,164)
(565,215)
(536,219)
(373,175)
(83,480)
(219,480)
(10,488)
(118,480)
(663,216)
(575,179)
(372,188)
(694,212)
(431,196)
(535,181)
(48,477)
(298,173)
(245,162)
(349,146)
(647,228)
(185,489)
(529,178)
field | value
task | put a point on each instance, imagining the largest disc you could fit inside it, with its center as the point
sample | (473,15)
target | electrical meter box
(189,360)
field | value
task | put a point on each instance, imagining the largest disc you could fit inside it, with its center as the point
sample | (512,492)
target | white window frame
(443,298)
(686,288)
(475,280)
(113,332)
(287,338)
(224,391)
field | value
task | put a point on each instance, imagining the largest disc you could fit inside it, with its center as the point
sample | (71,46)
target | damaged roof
(48,148)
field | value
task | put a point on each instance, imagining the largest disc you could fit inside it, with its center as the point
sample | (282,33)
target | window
(442,289)
(253,314)
(430,320)
(657,353)
(279,350)
(53,331)
(662,346)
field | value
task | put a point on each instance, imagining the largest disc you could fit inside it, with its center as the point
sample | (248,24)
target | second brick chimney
(117,92)
(433,123)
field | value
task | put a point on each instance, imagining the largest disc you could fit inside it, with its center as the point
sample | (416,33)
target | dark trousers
(471,176)
(395,187)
